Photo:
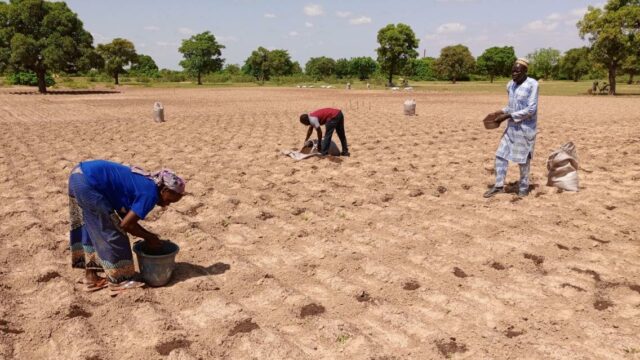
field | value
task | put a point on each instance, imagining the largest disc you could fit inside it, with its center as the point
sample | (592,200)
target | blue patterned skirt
(97,241)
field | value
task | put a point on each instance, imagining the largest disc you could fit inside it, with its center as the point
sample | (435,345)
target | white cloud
(270,16)
(152,28)
(308,24)
(343,14)
(553,20)
(541,25)
(293,33)
(451,28)
(578,12)
(360,20)
(313,10)
(430,37)
(185,31)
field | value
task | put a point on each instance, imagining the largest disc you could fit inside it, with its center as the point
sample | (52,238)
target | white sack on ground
(410,107)
(158,112)
(562,165)
(310,151)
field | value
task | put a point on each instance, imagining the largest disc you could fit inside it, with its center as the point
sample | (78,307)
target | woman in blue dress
(106,202)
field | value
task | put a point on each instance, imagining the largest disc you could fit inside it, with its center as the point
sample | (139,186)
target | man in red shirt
(332,119)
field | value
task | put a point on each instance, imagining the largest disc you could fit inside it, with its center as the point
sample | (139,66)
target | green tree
(144,66)
(575,63)
(43,36)
(117,55)
(497,61)
(544,62)
(421,69)
(631,67)
(398,44)
(280,63)
(257,64)
(232,69)
(320,67)
(612,33)
(363,67)
(455,62)
(343,68)
(296,69)
(202,55)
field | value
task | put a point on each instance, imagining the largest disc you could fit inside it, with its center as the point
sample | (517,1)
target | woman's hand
(130,224)
(153,243)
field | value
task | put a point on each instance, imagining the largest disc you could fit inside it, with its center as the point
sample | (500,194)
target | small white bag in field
(563,168)
(158,112)
(410,107)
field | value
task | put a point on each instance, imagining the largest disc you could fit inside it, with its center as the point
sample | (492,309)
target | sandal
(91,286)
(116,289)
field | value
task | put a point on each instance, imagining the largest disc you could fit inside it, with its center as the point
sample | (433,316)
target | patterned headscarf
(164,177)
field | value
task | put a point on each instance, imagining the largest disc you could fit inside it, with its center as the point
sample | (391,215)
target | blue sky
(331,28)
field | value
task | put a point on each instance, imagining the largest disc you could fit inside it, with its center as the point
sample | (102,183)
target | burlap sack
(562,165)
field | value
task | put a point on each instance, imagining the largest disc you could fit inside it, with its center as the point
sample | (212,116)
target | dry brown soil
(390,254)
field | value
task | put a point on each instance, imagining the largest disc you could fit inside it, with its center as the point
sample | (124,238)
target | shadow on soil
(185,271)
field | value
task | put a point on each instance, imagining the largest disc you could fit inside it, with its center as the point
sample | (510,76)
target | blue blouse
(123,189)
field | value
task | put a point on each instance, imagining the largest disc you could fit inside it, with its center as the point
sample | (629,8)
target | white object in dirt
(348,86)
(158,112)
(395,88)
(310,149)
(563,167)
(408,88)
(410,107)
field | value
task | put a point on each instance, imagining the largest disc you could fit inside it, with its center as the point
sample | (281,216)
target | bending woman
(106,201)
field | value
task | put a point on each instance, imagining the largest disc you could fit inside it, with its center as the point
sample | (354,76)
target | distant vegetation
(44,42)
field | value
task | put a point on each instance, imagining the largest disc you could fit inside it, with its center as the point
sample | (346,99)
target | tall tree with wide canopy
(43,36)
(263,64)
(202,55)
(455,62)
(398,44)
(613,33)
(280,63)
(117,55)
(497,61)
(575,63)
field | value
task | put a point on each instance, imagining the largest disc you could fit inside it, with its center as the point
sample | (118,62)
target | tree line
(39,37)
